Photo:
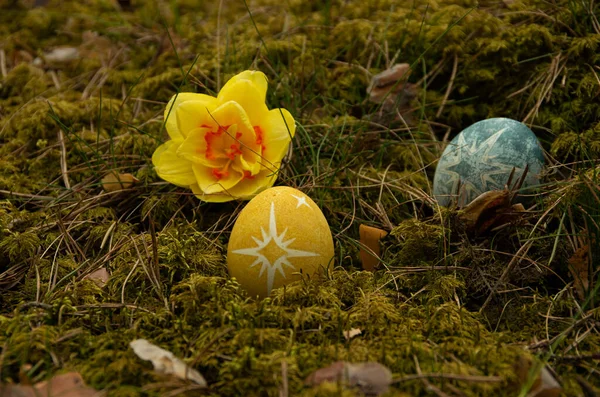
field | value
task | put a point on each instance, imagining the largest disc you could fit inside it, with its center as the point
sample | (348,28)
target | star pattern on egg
(273,251)
(301,201)
(485,168)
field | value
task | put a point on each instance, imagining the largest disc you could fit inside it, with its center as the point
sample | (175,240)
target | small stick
(63,159)
(449,89)
(3,63)
(284,392)
(467,378)
(426,382)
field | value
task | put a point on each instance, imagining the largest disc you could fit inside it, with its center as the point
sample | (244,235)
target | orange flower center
(232,152)
(259,137)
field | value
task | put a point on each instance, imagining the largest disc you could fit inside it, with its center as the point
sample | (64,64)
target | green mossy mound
(442,301)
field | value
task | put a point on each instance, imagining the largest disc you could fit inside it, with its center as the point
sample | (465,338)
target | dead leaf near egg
(370,250)
(492,210)
(371,378)
(165,362)
(113,182)
(65,385)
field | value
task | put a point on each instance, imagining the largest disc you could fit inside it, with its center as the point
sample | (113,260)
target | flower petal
(208,181)
(256,77)
(196,149)
(232,113)
(171,167)
(249,187)
(193,114)
(249,95)
(243,190)
(213,198)
(170,111)
(278,129)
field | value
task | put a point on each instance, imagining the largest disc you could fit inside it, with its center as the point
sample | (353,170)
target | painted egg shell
(482,157)
(279,233)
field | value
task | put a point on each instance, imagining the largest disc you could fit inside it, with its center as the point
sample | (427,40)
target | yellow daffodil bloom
(225,148)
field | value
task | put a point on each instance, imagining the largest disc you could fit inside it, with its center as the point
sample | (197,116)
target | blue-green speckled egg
(482,157)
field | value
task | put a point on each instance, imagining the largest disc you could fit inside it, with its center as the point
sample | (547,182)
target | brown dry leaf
(385,82)
(65,385)
(371,378)
(58,56)
(100,277)
(490,210)
(579,269)
(113,182)
(333,373)
(369,237)
(351,333)
(545,385)
(391,88)
(165,362)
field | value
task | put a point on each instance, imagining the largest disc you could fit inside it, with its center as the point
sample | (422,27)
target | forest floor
(86,269)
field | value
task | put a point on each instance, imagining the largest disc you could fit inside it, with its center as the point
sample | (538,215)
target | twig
(450,84)
(467,378)
(63,159)
(426,382)
(112,306)
(3,63)
(25,195)
(284,392)
(410,269)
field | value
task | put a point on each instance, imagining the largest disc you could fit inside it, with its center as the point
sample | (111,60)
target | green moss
(165,250)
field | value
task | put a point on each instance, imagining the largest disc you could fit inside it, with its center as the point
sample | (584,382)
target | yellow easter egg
(280,233)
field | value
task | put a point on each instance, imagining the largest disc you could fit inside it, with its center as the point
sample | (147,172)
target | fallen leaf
(113,182)
(385,82)
(579,269)
(545,385)
(100,277)
(493,209)
(333,373)
(391,89)
(352,333)
(58,57)
(369,237)
(490,210)
(65,385)
(371,378)
(165,362)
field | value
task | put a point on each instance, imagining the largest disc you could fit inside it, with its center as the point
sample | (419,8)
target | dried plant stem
(63,159)
(450,85)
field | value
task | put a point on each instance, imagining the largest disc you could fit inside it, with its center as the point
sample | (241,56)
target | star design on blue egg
(464,160)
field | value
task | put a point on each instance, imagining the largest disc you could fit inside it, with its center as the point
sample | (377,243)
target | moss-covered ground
(443,301)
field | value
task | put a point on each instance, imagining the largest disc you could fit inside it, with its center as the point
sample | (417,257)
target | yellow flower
(225,148)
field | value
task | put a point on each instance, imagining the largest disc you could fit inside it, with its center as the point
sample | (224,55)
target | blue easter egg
(482,157)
